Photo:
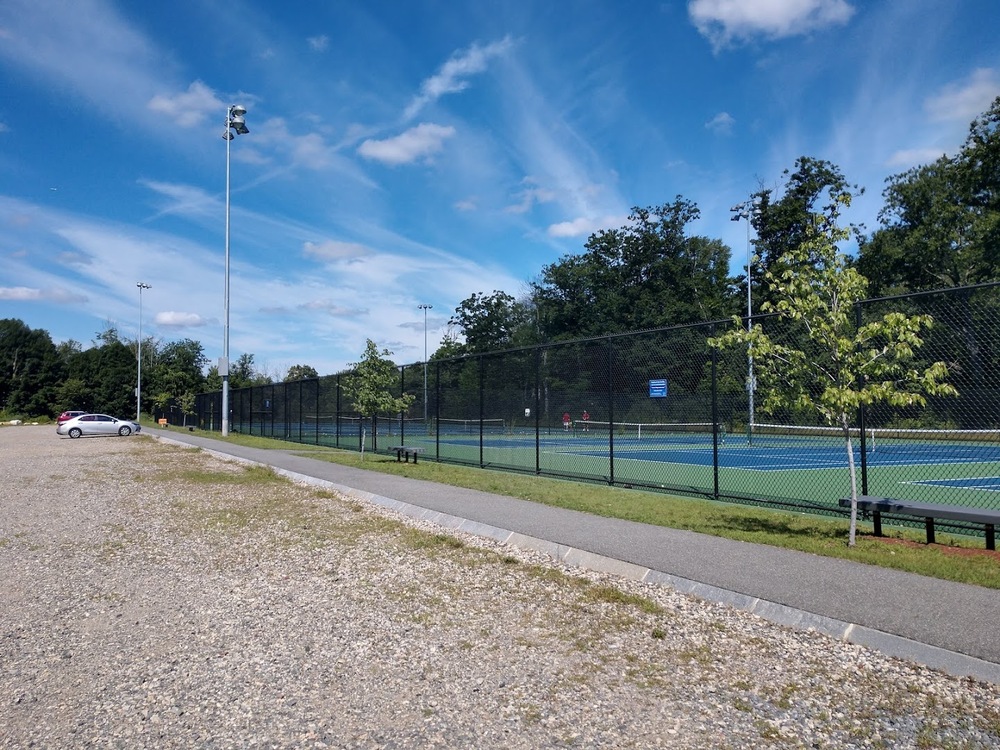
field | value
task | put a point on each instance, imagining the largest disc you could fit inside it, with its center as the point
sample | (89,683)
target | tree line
(939,227)
(40,378)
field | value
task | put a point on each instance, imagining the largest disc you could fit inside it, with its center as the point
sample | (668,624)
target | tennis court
(959,467)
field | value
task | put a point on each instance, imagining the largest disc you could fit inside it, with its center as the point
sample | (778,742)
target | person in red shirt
(567,419)
(586,421)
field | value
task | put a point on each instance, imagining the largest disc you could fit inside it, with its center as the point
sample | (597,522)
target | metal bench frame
(928,511)
(407,451)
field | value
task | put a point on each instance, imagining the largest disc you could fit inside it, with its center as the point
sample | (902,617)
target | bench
(928,511)
(406,451)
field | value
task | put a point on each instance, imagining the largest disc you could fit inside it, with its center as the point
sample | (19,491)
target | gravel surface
(154,596)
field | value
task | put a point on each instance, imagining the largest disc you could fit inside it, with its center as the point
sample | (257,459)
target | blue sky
(407,153)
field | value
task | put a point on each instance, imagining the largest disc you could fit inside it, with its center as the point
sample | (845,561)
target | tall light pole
(138,350)
(747,210)
(234,123)
(425,308)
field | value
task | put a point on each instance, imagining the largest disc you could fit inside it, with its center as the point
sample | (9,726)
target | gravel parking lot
(155,596)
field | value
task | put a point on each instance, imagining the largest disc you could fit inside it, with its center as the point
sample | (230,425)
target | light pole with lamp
(747,210)
(138,350)
(235,122)
(425,308)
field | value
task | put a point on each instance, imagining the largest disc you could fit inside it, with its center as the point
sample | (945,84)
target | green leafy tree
(244,373)
(941,221)
(186,403)
(647,274)
(783,220)
(300,372)
(493,321)
(833,367)
(31,369)
(370,386)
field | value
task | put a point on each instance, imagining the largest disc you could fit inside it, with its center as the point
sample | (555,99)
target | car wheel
(124,431)
(75,432)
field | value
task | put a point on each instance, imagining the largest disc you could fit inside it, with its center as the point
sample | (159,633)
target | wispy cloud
(318,43)
(454,74)
(529,196)
(87,48)
(966,100)
(721,124)
(331,250)
(189,108)
(725,21)
(419,142)
(57,295)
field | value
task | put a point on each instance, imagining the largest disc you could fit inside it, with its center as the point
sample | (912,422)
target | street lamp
(234,123)
(425,308)
(747,210)
(138,349)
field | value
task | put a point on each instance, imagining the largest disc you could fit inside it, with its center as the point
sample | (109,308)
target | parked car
(67,415)
(97,424)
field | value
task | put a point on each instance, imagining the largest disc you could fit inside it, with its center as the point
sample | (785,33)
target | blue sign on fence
(658,388)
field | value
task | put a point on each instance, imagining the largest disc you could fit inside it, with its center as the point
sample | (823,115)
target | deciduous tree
(826,363)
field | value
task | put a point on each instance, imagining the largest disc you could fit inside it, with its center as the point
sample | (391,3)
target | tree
(647,274)
(493,321)
(783,222)
(941,221)
(834,366)
(300,372)
(370,385)
(31,369)
(243,373)
(176,369)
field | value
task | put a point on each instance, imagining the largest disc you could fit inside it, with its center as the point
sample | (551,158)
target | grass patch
(798,531)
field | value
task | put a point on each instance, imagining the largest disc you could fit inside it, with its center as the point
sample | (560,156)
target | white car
(97,424)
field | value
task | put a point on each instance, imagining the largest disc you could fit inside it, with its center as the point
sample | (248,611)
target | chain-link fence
(663,410)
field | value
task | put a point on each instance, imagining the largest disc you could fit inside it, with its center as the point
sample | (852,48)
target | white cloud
(722,124)
(965,101)
(584,226)
(416,143)
(319,43)
(724,21)
(451,78)
(87,48)
(528,197)
(171,319)
(907,158)
(28,294)
(189,108)
(331,250)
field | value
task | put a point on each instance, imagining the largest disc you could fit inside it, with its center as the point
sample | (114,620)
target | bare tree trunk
(362,439)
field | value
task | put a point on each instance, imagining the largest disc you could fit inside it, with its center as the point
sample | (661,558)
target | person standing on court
(586,421)
(566,421)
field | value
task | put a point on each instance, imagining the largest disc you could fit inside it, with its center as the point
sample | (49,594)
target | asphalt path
(950,626)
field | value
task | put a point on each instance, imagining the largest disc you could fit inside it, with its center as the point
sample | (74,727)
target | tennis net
(882,439)
(689,432)
(448,426)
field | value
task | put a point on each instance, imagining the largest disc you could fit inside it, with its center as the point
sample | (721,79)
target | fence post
(538,402)
(482,396)
(862,414)
(611,411)
(715,416)
(437,410)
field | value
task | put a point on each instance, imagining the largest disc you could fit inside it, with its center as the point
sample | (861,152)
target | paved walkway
(949,626)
